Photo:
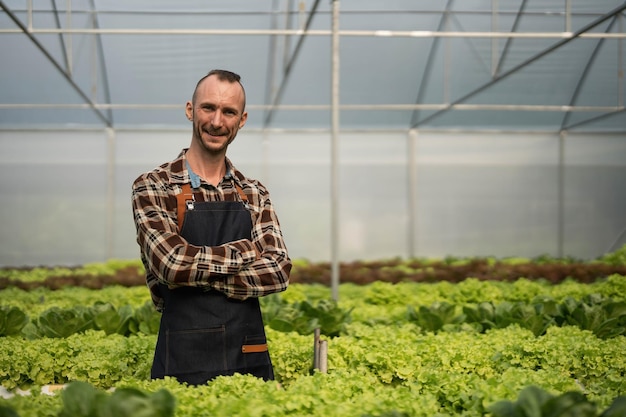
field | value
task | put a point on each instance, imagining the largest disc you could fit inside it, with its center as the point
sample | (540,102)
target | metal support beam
(106,90)
(272,58)
(595,118)
(471,45)
(620,82)
(608,110)
(494,42)
(560,233)
(334,155)
(585,74)
(430,61)
(110,210)
(57,22)
(68,36)
(289,64)
(522,65)
(343,107)
(343,33)
(509,41)
(412,193)
(58,66)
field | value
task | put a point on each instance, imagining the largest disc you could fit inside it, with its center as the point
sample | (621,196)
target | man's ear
(189,110)
(243,119)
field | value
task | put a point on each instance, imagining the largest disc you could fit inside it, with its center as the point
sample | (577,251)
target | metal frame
(66,73)
(326,33)
(334,154)
(104,111)
(497,78)
(289,64)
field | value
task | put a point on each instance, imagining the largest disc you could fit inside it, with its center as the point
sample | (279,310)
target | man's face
(217,114)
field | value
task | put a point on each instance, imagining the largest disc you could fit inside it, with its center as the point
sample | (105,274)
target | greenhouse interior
(405,128)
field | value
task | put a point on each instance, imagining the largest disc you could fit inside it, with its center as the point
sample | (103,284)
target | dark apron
(203,333)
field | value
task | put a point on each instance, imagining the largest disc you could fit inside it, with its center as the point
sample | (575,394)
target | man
(211,245)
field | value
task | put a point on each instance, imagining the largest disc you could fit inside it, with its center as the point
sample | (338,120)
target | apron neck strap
(182,199)
(242,195)
(186,197)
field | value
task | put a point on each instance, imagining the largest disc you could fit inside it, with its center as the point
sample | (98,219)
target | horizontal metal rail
(299,32)
(322,107)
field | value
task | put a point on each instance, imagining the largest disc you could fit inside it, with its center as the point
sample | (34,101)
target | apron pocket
(195,350)
(255,352)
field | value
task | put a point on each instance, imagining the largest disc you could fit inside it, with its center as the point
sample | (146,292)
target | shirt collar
(193,177)
(187,175)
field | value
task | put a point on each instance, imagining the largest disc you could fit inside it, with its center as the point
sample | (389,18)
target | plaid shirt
(240,269)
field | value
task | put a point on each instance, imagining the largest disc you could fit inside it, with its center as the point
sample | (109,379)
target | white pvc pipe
(110,212)
(334,198)
(322,107)
(412,193)
(299,32)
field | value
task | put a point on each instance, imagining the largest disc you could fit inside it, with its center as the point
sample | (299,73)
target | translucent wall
(66,194)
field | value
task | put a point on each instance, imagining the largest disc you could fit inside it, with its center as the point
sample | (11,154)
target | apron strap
(186,196)
(181,203)
(244,198)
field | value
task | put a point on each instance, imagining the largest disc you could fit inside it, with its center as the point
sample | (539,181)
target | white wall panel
(477,194)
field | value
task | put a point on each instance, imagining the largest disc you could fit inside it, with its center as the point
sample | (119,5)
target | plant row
(475,348)
(535,402)
(372,370)
(131,272)
(80,399)
(106,359)
(364,300)
(59,323)
(602,315)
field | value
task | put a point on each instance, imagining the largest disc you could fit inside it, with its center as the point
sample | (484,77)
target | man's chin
(214,147)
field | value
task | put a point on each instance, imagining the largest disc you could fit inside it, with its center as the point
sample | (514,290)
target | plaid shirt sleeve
(235,268)
(269,273)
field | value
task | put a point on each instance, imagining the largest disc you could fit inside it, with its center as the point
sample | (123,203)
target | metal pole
(561,194)
(289,61)
(30,15)
(412,192)
(334,188)
(323,32)
(323,107)
(94,64)
(110,214)
(568,16)
(494,41)
(68,38)
(620,64)
(447,50)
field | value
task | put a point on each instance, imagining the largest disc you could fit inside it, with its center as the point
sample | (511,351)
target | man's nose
(216,120)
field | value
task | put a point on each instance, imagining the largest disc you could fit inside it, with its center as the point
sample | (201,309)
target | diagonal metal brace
(58,66)
(518,67)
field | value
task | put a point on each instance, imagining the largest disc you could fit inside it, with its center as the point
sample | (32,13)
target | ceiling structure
(509,65)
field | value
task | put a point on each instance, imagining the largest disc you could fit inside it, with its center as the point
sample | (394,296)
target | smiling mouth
(212,133)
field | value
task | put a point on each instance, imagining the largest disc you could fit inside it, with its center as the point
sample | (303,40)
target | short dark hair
(222,75)
(225,75)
